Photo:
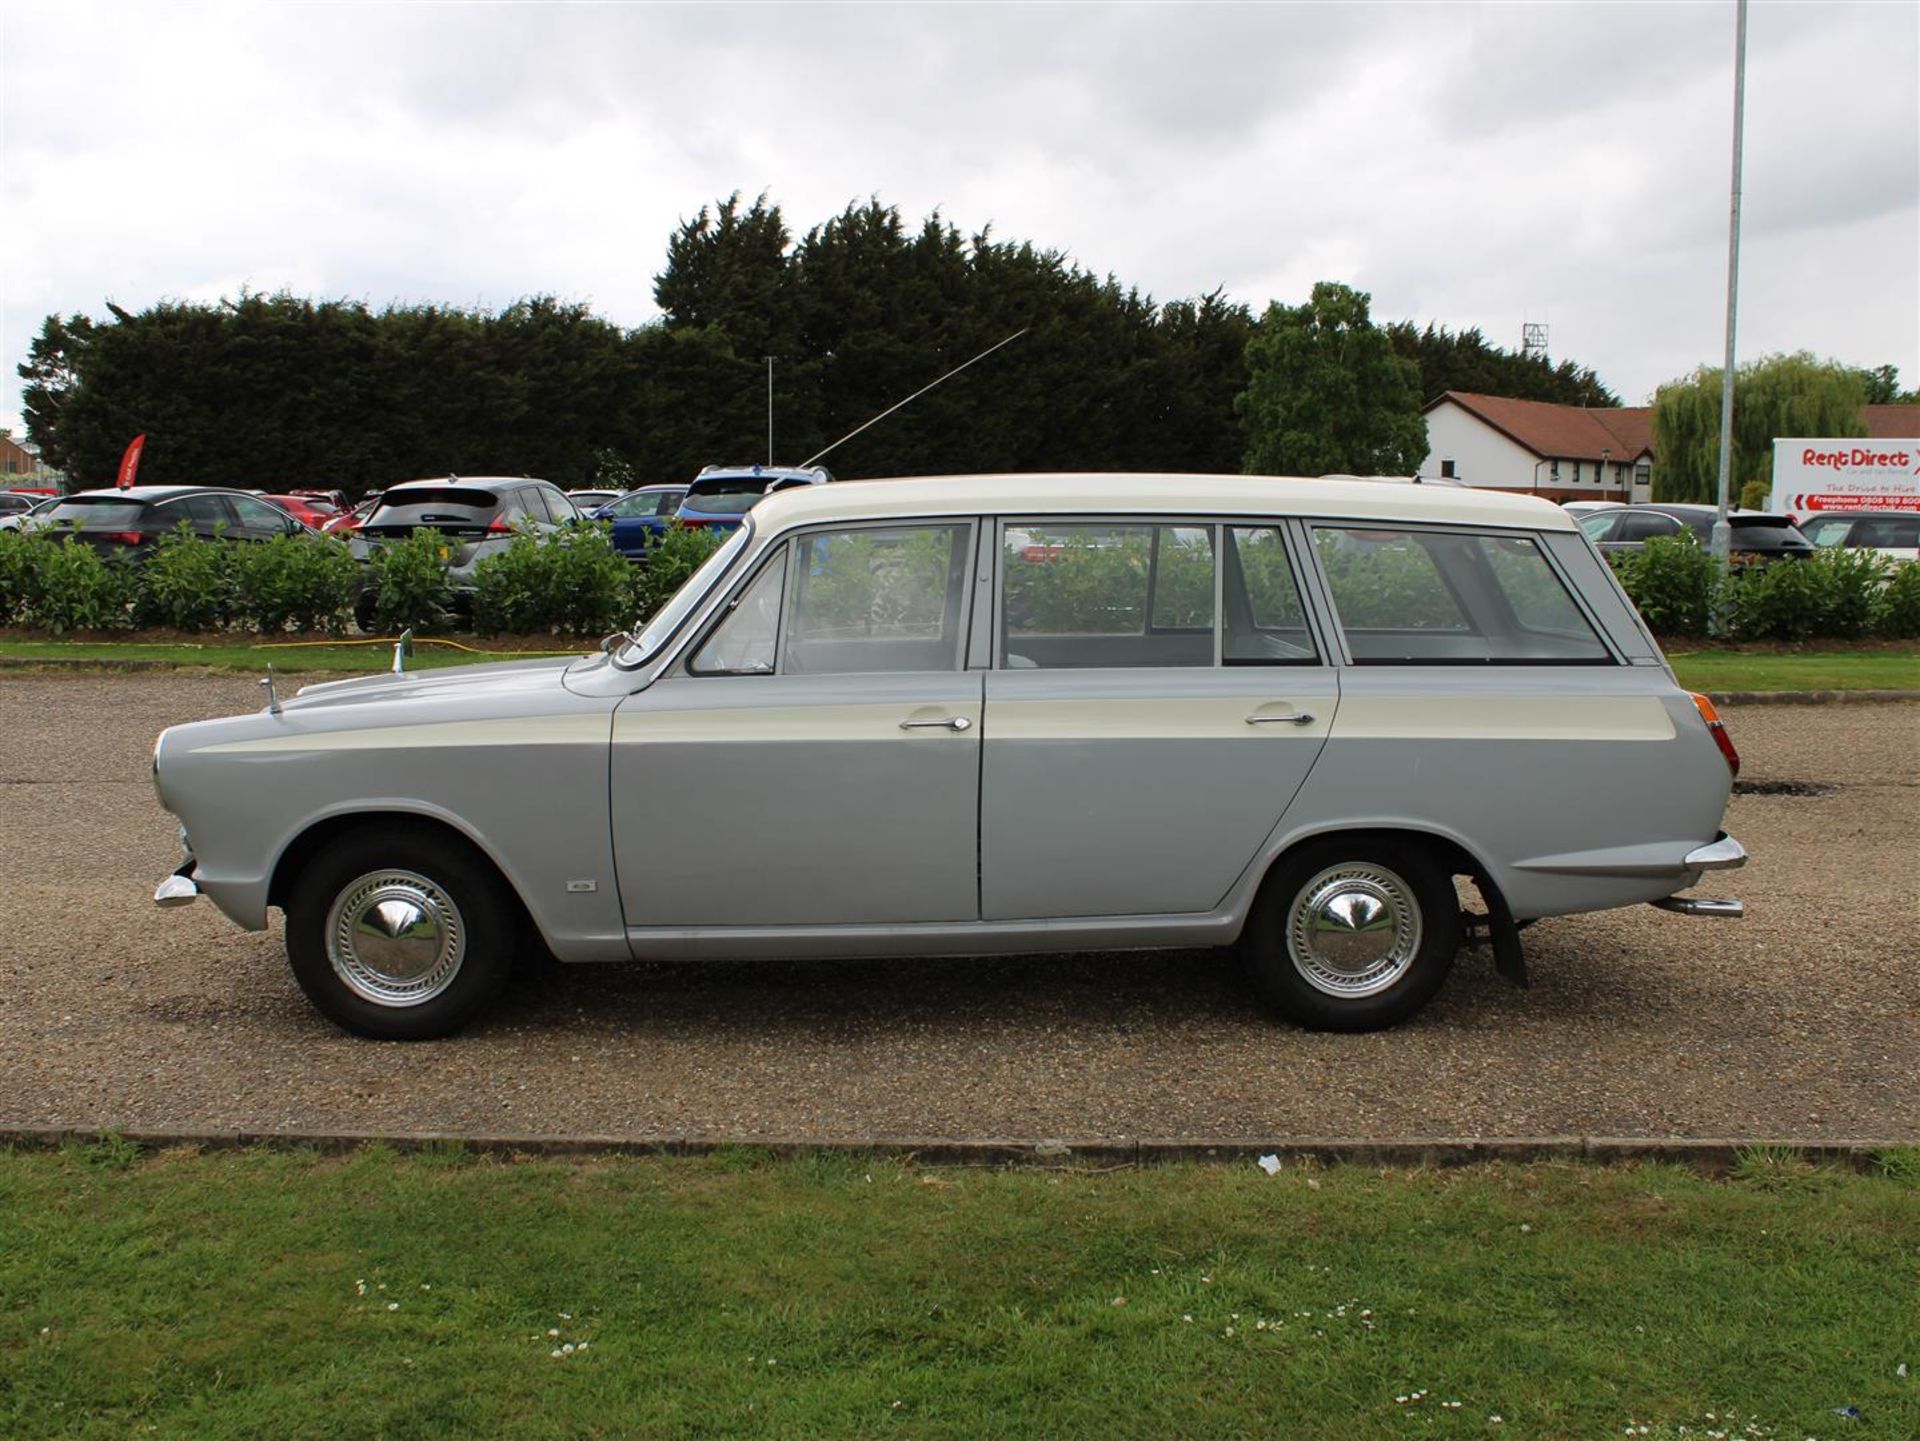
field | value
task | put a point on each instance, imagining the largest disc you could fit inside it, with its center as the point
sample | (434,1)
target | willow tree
(1780,395)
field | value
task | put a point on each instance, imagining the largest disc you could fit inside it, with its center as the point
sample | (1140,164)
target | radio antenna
(916,395)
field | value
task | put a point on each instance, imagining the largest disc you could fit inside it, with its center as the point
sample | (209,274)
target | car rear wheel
(400,934)
(1352,934)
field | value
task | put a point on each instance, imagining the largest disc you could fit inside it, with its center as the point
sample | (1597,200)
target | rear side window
(1449,598)
(1088,595)
(1265,624)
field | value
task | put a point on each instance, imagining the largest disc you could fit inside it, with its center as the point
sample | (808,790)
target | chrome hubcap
(1353,930)
(395,938)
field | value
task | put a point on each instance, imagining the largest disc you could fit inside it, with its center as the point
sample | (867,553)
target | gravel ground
(1802,1020)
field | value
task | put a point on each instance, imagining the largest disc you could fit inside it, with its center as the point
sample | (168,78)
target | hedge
(575,584)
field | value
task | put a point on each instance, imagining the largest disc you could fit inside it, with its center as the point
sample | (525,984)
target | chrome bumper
(1722,854)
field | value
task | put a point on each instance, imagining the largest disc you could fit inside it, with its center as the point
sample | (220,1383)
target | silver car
(997,714)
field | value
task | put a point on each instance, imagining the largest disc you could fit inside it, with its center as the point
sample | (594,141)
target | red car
(347,522)
(310,512)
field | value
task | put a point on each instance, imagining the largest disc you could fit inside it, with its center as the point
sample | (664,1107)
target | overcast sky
(1467,164)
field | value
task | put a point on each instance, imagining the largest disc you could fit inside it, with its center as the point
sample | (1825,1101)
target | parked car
(638,518)
(38,505)
(1894,533)
(478,515)
(721,494)
(1282,715)
(586,501)
(129,522)
(310,511)
(1581,509)
(1757,536)
(351,520)
(12,502)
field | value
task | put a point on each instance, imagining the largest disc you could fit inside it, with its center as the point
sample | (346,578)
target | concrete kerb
(1810,697)
(1711,1156)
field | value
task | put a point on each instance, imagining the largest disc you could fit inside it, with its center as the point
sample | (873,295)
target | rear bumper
(1723,853)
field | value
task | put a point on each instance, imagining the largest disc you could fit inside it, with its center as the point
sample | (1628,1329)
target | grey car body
(871,703)
(478,515)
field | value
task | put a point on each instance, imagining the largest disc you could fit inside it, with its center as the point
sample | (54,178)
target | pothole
(1782,788)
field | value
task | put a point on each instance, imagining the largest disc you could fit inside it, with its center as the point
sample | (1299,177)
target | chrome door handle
(952,723)
(1293,718)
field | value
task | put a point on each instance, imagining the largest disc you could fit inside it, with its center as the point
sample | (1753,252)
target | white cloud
(1471,165)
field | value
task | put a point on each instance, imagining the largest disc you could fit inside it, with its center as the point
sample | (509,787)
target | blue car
(639,516)
(721,494)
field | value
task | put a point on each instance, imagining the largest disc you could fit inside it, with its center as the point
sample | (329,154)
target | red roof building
(1562,452)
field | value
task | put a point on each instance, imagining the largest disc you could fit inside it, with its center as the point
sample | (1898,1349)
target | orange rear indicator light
(1718,730)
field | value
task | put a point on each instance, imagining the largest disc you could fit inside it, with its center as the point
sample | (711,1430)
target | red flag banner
(130,462)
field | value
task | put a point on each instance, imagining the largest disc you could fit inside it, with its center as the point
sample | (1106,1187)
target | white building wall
(1480,454)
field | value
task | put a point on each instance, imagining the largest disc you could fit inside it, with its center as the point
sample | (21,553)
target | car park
(721,494)
(477,515)
(1209,711)
(1894,533)
(1755,536)
(131,521)
(638,518)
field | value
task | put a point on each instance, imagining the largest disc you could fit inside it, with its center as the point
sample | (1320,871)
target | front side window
(1092,594)
(1445,597)
(258,514)
(1826,532)
(877,599)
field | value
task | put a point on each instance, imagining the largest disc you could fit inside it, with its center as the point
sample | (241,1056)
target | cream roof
(1053,493)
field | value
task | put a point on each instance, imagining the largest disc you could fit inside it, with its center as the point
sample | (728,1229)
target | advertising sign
(1810,475)
(130,462)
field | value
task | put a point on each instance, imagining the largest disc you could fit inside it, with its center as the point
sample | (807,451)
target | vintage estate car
(997,714)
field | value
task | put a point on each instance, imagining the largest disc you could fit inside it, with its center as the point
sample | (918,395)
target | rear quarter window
(1420,597)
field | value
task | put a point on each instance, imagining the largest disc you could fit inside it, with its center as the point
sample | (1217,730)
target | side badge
(582,888)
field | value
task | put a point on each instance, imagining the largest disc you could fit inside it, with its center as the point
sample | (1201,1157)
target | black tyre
(400,933)
(1352,934)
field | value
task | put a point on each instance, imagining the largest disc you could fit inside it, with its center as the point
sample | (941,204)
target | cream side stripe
(735,725)
(1543,718)
(518,731)
(1197,717)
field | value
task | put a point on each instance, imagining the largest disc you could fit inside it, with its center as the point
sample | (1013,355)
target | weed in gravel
(1775,1168)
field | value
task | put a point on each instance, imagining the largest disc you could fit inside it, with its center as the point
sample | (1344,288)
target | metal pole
(769,360)
(1722,532)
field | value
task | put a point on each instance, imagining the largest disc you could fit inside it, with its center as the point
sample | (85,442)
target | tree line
(857,313)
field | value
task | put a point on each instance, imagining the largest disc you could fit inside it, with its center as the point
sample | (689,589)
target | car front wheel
(399,934)
(1352,935)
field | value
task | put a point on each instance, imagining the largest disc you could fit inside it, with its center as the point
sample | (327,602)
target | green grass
(286,1294)
(1727,670)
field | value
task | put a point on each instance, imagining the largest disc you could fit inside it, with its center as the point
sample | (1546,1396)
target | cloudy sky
(1467,164)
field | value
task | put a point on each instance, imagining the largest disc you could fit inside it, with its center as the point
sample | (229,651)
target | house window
(1553,471)
(1576,472)
(1643,473)
(1446,470)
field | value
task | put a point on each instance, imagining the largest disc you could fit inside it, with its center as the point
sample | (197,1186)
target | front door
(816,758)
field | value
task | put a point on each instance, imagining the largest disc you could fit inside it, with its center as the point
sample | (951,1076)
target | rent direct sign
(1811,475)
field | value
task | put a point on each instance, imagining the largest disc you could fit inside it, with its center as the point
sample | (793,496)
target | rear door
(1157,697)
(816,758)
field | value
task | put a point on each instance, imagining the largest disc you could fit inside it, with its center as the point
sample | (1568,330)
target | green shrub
(675,554)
(1832,594)
(1896,611)
(77,590)
(187,583)
(20,558)
(409,584)
(1673,582)
(303,582)
(571,582)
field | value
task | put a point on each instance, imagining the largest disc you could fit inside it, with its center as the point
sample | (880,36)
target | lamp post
(1722,541)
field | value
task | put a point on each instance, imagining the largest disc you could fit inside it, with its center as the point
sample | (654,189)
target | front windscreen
(668,618)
